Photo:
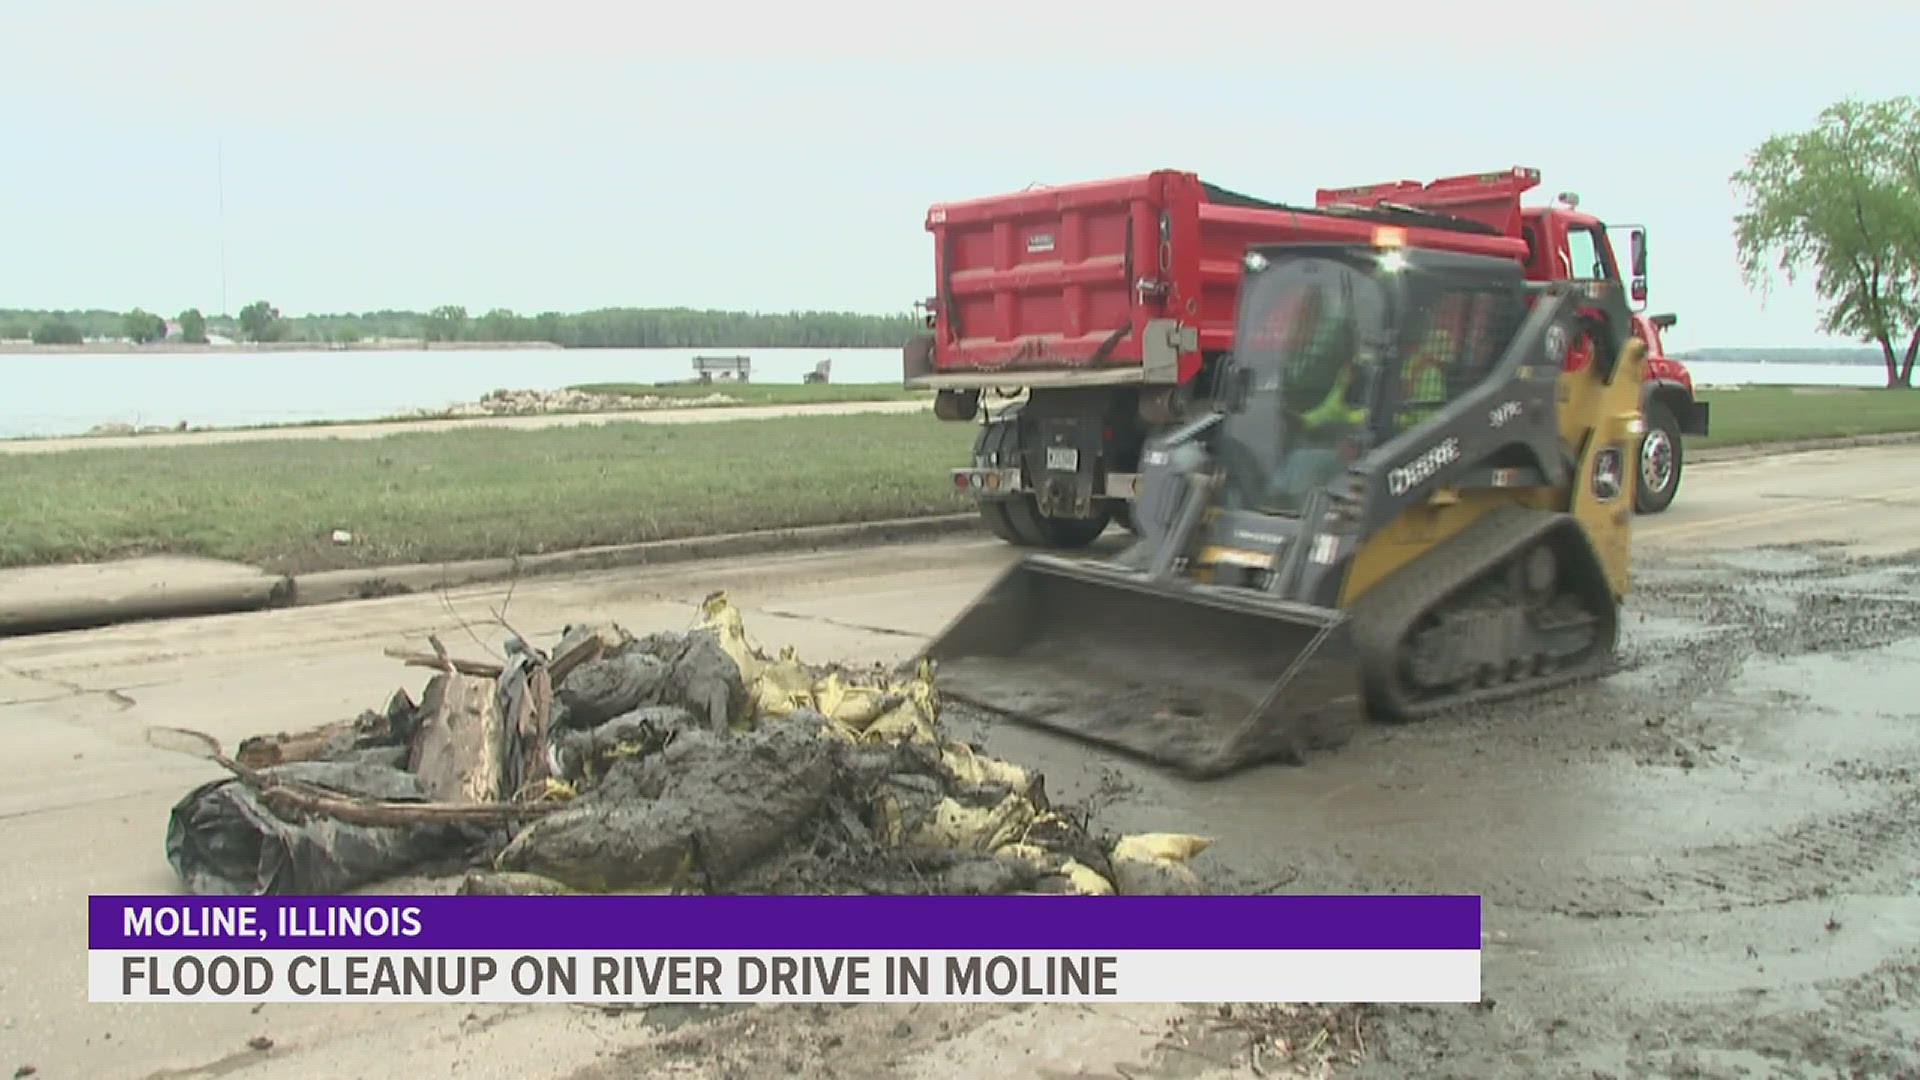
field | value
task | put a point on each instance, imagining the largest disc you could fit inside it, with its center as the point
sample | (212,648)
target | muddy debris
(672,763)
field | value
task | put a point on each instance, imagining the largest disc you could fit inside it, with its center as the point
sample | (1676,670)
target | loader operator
(1329,435)
(1423,389)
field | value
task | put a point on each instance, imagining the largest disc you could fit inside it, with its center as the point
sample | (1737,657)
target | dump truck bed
(1128,280)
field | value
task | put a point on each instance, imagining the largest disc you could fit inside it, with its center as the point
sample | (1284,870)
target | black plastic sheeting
(222,840)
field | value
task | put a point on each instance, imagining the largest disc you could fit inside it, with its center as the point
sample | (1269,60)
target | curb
(1802,446)
(332,586)
(84,607)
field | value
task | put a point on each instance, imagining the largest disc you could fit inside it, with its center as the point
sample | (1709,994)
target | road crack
(843,624)
(70,688)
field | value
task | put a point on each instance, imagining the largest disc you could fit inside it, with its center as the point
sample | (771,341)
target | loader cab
(1342,348)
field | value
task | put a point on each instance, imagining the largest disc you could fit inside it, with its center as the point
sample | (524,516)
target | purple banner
(785,923)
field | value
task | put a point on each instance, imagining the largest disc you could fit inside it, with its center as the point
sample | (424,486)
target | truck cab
(1577,246)
(1565,243)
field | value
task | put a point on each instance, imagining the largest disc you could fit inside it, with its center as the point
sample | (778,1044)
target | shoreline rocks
(542,402)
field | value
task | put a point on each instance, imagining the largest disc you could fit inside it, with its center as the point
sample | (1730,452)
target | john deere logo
(1556,341)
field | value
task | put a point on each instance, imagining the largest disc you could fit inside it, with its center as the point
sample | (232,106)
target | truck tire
(1038,530)
(1659,461)
(994,513)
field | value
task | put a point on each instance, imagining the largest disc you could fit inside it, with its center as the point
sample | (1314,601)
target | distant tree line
(1783,356)
(630,328)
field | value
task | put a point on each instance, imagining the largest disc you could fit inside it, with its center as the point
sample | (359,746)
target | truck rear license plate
(1063,459)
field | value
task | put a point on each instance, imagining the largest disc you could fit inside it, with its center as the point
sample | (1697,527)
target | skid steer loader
(1412,494)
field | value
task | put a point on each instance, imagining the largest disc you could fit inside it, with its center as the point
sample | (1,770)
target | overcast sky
(563,155)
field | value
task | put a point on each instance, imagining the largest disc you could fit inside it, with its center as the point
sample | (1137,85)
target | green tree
(500,324)
(141,327)
(1841,201)
(56,331)
(446,323)
(260,321)
(193,326)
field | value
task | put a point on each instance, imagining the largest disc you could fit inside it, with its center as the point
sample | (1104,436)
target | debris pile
(542,402)
(672,762)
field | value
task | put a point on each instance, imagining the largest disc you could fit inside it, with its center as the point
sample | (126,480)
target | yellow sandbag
(974,828)
(855,706)
(828,689)
(1085,880)
(1159,847)
(1155,864)
(901,724)
(783,687)
(1029,853)
(717,613)
(971,767)
(912,719)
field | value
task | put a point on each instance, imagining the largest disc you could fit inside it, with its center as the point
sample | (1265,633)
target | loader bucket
(1200,679)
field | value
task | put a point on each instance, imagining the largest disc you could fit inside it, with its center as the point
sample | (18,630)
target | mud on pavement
(1705,865)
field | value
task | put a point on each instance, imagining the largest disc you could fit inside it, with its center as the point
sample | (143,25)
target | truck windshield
(1304,340)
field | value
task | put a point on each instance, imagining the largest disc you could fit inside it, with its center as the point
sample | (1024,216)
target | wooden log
(582,651)
(412,658)
(314,744)
(533,732)
(294,797)
(459,748)
(330,740)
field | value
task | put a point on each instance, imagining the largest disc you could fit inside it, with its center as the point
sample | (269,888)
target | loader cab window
(1452,338)
(1308,340)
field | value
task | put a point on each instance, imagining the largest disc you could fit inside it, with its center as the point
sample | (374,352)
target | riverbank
(689,412)
(125,348)
(485,491)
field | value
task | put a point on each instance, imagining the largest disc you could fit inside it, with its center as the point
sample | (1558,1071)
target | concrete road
(381,430)
(86,806)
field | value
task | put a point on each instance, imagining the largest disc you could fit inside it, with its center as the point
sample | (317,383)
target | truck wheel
(1659,461)
(1038,530)
(994,513)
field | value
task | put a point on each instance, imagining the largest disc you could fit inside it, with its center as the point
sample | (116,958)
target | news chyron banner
(785,948)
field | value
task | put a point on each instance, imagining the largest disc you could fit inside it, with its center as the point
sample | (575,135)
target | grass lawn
(473,493)
(1764,414)
(765,393)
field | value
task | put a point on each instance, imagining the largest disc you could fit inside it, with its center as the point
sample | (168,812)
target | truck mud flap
(1200,680)
(1693,419)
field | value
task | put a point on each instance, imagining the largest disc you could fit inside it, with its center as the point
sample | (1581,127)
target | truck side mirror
(1639,290)
(1637,242)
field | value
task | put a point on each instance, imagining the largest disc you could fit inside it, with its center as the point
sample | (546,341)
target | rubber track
(1383,617)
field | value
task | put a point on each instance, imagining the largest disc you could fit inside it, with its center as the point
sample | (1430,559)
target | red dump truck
(1075,322)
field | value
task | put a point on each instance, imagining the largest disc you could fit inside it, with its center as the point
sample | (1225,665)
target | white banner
(1168,976)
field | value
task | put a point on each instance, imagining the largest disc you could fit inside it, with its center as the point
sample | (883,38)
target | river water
(67,394)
